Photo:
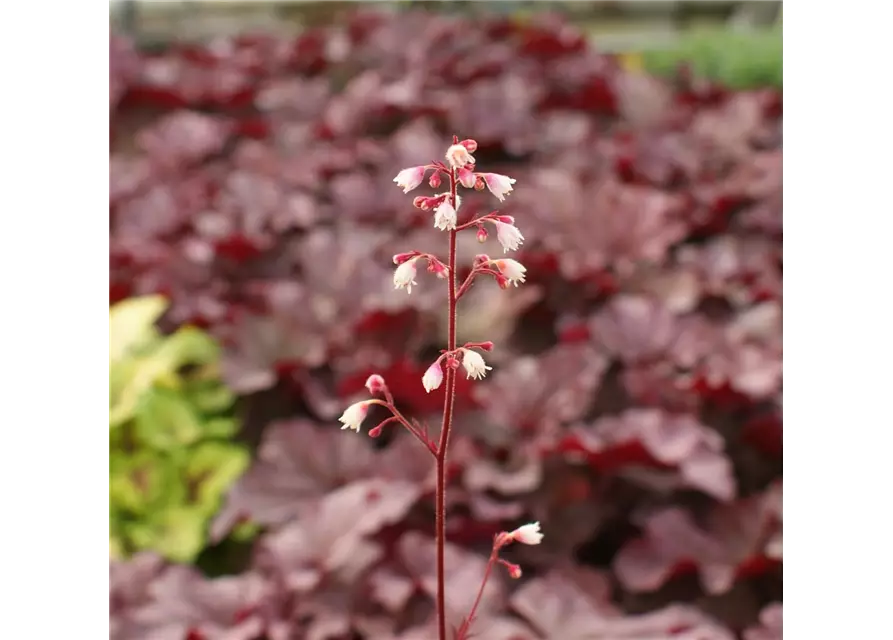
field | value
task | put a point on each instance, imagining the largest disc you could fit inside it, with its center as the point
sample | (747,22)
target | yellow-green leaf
(188,345)
(165,420)
(211,398)
(130,380)
(211,469)
(245,530)
(221,428)
(116,548)
(132,324)
(138,484)
(177,533)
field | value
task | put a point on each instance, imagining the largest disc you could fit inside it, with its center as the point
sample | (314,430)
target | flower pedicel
(459,170)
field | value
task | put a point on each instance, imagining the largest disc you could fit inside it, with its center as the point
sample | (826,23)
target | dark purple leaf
(183,138)
(634,329)
(330,539)
(298,464)
(770,626)
(677,449)
(462,581)
(737,539)
(129,588)
(576,604)
(544,391)
(183,603)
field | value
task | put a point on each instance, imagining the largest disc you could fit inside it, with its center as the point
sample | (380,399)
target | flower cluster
(459,170)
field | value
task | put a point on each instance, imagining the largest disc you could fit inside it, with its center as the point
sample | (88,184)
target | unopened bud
(375,384)
(470,144)
(422,202)
(400,258)
(480,259)
(375,432)
(514,570)
(502,281)
(482,234)
(452,362)
(438,268)
(479,184)
(486,346)
(434,180)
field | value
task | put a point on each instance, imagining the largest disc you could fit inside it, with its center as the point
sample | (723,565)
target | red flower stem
(467,623)
(470,279)
(441,456)
(411,428)
(476,221)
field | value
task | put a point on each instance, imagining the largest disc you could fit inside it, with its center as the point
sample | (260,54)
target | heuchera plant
(460,169)
(634,407)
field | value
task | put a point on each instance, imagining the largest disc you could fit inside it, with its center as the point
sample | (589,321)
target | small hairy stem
(467,284)
(467,623)
(421,437)
(441,455)
(470,279)
(476,221)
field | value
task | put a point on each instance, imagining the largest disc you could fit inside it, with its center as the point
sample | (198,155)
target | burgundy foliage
(635,403)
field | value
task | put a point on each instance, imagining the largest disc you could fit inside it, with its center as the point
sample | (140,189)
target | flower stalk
(460,171)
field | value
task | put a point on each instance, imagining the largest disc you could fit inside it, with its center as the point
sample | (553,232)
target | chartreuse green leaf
(245,531)
(116,548)
(142,482)
(160,366)
(188,345)
(220,428)
(132,324)
(165,420)
(211,469)
(178,533)
(209,396)
(170,419)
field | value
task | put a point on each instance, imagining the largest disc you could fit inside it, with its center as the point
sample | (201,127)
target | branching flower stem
(442,447)
(460,169)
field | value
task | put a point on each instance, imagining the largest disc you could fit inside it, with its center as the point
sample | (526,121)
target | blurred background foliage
(739,60)
(171,419)
(738,44)
(175,439)
(171,425)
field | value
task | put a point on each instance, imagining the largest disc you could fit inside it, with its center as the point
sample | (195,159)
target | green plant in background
(171,454)
(737,59)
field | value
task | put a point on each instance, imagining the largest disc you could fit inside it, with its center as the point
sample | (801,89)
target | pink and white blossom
(498,184)
(466,178)
(445,216)
(458,156)
(527,534)
(404,275)
(512,269)
(474,364)
(509,236)
(354,415)
(433,377)
(410,178)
